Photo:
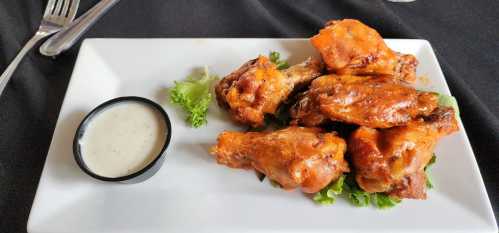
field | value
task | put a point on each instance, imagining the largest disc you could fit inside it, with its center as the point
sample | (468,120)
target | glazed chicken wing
(258,88)
(351,47)
(294,157)
(393,160)
(376,102)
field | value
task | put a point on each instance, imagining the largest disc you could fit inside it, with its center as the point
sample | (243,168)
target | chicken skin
(372,101)
(294,157)
(258,88)
(351,47)
(393,160)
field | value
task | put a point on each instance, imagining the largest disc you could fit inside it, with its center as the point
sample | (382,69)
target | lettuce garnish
(429,182)
(383,201)
(194,96)
(348,187)
(327,195)
(275,58)
(448,101)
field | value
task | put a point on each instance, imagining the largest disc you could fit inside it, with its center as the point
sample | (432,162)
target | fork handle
(7,74)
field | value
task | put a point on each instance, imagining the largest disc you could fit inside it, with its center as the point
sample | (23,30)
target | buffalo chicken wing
(376,102)
(293,157)
(258,88)
(351,47)
(393,160)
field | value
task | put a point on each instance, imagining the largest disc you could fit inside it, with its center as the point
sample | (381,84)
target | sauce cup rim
(80,132)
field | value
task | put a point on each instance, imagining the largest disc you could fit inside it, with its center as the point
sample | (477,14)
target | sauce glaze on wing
(294,157)
(393,160)
(372,101)
(258,88)
(351,47)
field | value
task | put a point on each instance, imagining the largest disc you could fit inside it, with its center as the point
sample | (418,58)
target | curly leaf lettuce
(347,186)
(275,58)
(448,101)
(194,96)
(429,182)
(356,196)
(327,195)
(383,201)
(359,197)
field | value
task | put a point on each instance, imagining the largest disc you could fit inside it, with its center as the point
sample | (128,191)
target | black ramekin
(140,175)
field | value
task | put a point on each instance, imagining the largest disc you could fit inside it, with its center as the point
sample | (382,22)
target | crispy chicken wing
(373,101)
(293,157)
(393,160)
(351,47)
(258,87)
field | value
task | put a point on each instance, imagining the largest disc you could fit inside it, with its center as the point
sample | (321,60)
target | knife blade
(70,34)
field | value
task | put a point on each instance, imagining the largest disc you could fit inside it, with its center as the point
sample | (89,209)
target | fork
(58,14)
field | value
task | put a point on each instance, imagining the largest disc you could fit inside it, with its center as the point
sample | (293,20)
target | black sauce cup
(136,177)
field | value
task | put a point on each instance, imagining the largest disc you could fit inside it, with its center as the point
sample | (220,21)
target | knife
(70,34)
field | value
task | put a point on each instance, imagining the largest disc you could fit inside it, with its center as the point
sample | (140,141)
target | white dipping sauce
(123,139)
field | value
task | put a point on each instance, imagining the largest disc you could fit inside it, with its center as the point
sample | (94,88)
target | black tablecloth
(465,35)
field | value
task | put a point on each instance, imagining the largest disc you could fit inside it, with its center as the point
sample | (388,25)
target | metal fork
(58,14)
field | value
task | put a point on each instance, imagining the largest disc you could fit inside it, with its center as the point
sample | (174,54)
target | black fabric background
(465,35)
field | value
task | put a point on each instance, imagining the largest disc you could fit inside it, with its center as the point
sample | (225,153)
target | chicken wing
(258,88)
(351,47)
(372,101)
(393,160)
(293,157)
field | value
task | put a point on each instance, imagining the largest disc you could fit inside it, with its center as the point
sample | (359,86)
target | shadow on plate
(298,51)
(195,152)
(66,169)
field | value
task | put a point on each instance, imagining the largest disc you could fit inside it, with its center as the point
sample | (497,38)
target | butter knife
(70,34)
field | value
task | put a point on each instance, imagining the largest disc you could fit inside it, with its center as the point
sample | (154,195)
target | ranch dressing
(123,139)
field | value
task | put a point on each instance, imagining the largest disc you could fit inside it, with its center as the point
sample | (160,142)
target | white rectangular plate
(191,193)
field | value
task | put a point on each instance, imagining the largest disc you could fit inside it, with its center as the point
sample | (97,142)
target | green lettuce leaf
(347,186)
(275,58)
(448,101)
(359,198)
(327,195)
(356,196)
(429,182)
(383,201)
(194,96)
